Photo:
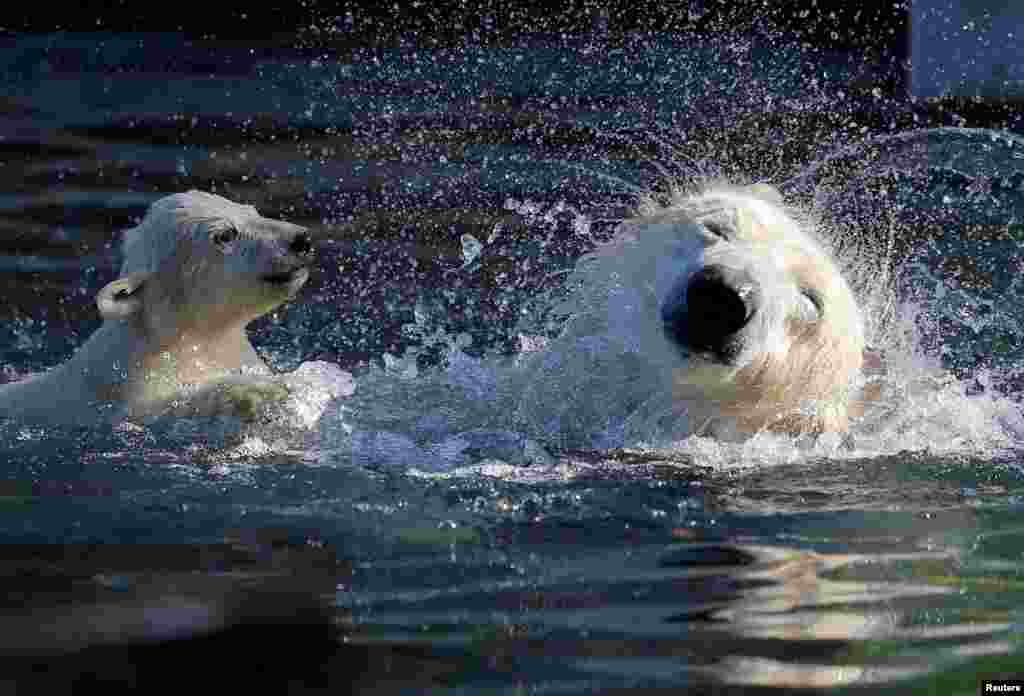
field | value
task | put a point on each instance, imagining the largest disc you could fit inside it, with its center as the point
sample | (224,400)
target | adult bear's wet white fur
(718,315)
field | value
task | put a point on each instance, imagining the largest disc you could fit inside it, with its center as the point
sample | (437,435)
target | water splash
(465,410)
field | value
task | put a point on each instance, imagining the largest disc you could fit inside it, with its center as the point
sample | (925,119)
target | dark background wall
(880,24)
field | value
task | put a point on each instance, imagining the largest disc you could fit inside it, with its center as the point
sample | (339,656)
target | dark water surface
(451,189)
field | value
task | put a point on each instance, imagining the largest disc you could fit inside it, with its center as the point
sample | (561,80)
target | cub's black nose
(708,312)
(301,244)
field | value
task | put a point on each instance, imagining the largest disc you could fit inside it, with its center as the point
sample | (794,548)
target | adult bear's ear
(765,192)
(122,298)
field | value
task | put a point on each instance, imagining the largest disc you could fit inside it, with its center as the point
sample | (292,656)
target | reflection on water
(453,189)
(778,617)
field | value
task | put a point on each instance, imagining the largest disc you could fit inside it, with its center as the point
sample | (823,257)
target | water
(454,188)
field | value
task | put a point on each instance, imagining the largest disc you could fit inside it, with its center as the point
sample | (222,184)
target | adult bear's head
(771,331)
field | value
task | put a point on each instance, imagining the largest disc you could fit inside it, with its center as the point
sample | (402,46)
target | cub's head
(198,255)
(770,329)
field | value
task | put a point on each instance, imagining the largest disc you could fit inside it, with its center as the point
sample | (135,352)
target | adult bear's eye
(813,304)
(225,236)
(716,228)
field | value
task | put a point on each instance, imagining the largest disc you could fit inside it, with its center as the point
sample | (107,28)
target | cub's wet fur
(196,271)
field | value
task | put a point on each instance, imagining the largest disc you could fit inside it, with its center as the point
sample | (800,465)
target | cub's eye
(225,236)
(814,307)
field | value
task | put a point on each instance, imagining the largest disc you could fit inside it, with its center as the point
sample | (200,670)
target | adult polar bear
(717,315)
(196,271)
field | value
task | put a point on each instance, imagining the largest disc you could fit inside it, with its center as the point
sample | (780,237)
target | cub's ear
(765,192)
(122,298)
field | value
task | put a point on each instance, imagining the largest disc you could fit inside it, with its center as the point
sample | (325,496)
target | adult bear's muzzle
(707,312)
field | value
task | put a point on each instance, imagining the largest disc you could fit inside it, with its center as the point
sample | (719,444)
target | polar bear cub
(196,271)
(717,315)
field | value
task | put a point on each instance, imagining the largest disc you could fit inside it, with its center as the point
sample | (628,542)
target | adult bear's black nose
(708,312)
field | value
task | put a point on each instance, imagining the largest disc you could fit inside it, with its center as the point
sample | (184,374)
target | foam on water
(459,419)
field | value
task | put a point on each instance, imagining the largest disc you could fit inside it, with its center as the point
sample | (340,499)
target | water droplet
(471,248)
